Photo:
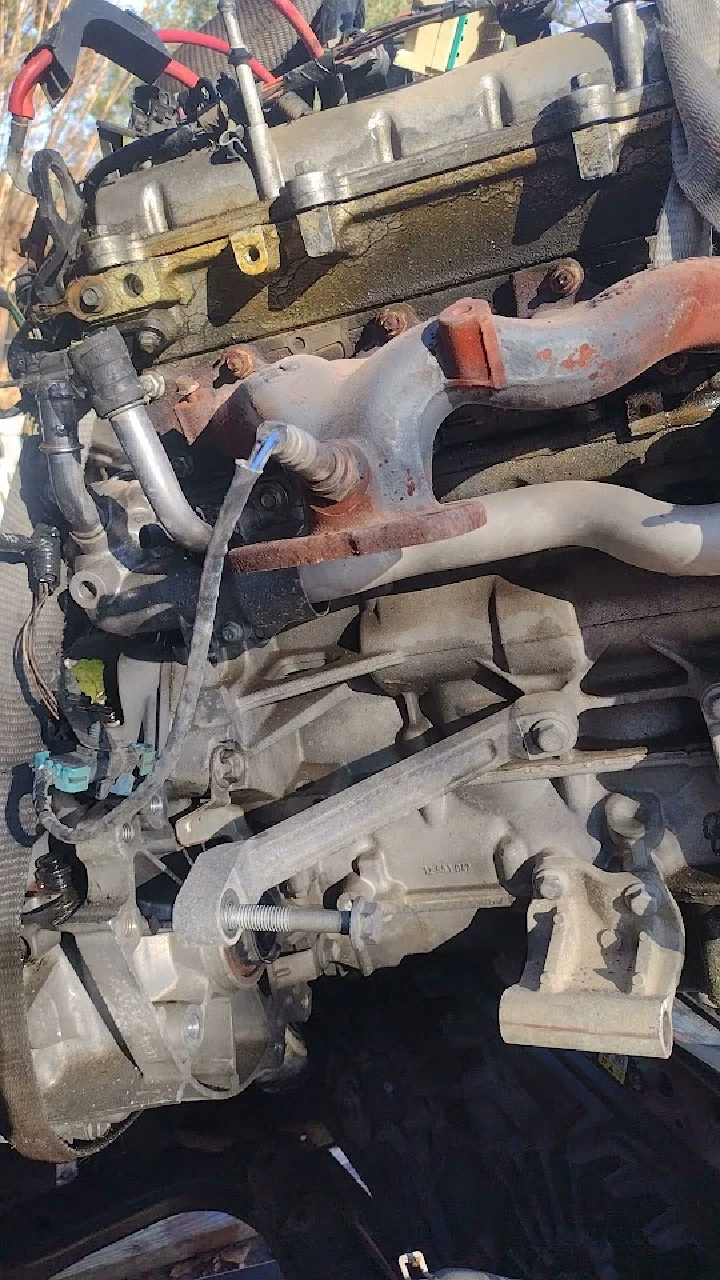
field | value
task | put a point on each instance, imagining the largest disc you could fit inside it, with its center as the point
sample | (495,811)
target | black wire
(230,512)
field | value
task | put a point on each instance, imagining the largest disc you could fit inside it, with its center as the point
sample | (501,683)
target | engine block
(383,461)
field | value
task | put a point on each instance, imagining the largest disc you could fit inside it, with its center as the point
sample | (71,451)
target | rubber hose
(14,544)
(205,609)
(29,1130)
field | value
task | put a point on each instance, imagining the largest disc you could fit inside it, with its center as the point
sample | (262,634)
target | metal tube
(266,167)
(149,461)
(73,499)
(629,38)
(641,531)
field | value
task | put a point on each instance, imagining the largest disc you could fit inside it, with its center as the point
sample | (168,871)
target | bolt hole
(252,254)
(85,592)
(133,284)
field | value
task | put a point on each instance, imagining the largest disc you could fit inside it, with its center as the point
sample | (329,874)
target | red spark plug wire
(173,35)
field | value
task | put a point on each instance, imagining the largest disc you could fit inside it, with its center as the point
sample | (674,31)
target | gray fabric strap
(690,37)
(22,1117)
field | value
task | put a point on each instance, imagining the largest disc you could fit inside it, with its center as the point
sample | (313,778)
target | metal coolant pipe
(149,461)
(103,363)
(641,531)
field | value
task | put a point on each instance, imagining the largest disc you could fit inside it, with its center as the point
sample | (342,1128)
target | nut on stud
(548,885)
(566,278)
(240,362)
(397,319)
(550,737)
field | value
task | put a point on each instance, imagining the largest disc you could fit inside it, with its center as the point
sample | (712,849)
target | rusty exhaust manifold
(569,356)
(387,409)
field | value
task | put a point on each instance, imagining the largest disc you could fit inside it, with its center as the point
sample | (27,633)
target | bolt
(126,832)
(272,496)
(566,278)
(549,736)
(237,917)
(547,885)
(150,341)
(193,1028)
(396,319)
(128,927)
(92,297)
(153,385)
(638,899)
(240,362)
(233,632)
(157,806)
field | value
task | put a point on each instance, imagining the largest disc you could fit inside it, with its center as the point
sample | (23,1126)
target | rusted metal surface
(240,362)
(571,355)
(565,278)
(555,284)
(397,319)
(358,529)
(468,345)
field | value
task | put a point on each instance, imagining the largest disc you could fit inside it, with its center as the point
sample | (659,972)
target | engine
(373,547)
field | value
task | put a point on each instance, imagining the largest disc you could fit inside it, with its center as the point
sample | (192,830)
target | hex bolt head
(232,632)
(566,278)
(272,496)
(193,1030)
(92,298)
(638,899)
(548,885)
(549,736)
(397,319)
(240,362)
(150,341)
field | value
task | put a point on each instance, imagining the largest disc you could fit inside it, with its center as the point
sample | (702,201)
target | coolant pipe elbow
(134,429)
(103,363)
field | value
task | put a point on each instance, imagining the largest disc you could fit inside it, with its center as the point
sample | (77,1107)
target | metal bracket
(605,951)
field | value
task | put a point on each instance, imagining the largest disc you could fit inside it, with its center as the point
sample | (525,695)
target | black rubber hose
(205,609)
(14,544)
(23,1120)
